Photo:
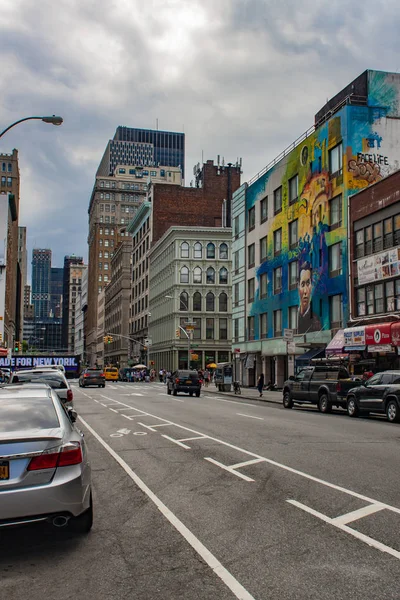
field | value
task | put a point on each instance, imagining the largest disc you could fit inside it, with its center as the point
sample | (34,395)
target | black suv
(184,381)
(379,394)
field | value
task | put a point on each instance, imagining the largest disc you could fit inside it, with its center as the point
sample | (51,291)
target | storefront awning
(304,359)
(336,344)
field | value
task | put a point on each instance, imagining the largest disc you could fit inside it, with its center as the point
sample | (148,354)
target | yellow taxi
(111,373)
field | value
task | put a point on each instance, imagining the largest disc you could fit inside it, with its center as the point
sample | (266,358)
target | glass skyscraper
(41,277)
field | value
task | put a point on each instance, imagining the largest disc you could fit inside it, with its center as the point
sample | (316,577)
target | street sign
(288,335)
(237,349)
(148,342)
(9,353)
(291,348)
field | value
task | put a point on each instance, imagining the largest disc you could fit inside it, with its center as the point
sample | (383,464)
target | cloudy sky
(242,78)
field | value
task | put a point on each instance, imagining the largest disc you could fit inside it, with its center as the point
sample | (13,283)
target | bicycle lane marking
(217,567)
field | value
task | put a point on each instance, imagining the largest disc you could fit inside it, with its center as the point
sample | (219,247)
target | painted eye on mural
(304,156)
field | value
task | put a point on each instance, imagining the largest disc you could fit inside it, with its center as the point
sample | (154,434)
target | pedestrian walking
(260,384)
(206,377)
(160,375)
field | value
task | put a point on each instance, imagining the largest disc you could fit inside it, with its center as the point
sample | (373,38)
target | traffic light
(109,339)
(178,333)
(105,339)
(17,346)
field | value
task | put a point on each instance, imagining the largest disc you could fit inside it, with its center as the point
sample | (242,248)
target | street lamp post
(53,120)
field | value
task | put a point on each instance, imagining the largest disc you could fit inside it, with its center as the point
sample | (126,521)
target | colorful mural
(365,146)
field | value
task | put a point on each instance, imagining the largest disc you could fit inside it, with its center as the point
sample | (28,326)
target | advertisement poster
(379,266)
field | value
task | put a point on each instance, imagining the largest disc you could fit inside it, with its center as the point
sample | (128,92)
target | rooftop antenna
(202,157)
(157,123)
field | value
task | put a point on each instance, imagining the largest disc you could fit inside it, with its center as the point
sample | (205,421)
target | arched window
(184,275)
(197,250)
(197,301)
(210,275)
(197,275)
(223,302)
(184,301)
(223,251)
(210,250)
(210,302)
(184,250)
(223,275)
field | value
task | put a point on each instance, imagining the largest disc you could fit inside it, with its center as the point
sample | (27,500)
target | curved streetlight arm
(53,120)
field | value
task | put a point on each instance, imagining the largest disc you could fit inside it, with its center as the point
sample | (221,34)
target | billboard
(379,266)
(70,363)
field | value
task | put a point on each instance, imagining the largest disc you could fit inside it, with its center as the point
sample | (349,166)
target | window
(197,302)
(223,276)
(210,302)
(293,314)
(105,253)
(107,207)
(3,181)
(361,306)
(335,212)
(210,250)
(197,329)
(263,248)
(223,251)
(198,250)
(100,265)
(336,160)
(184,277)
(121,171)
(250,290)
(209,329)
(197,275)
(377,241)
(184,250)
(278,280)
(293,275)
(277,241)
(293,189)
(251,218)
(278,200)
(236,329)
(131,171)
(277,323)
(335,260)
(379,301)
(293,238)
(251,255)
(184,301)
(263,285)
(106,243)
(9,181)
(335,311)
(9,167)
(153,173)
(264,209)
(210,275)
(368,240)
(223,302)
(100,277)
(223,329)
(100,254)
(250,328)
(263,325)
(236,227)
(390,297)
(107,231)
(236,294)
(236,260)
(388,233)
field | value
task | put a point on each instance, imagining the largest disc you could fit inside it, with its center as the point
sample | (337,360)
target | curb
(250,397)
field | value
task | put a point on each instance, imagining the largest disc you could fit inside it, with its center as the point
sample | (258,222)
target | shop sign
(395,331)
(354,336)
(378,266)
(378,335)
(380,348)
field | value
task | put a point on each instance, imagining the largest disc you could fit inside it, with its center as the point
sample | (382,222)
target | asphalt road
(217,497)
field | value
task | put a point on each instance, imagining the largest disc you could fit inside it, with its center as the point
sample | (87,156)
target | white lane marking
(113,409)
(196,437)
(250,416)
(151,427)
(231,401)
(358,514)
(247,463)
(228,579)
(360,536)
(229,469)
(132,394)
(176,442)
(176,399)
(102,403)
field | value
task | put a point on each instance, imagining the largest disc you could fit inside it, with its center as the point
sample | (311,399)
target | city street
(220,498)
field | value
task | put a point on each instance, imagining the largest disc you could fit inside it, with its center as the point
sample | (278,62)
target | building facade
(99,361)
(116,306)
(190,282)
(80,318)
(41,270)
(72,282)
(56,292)
(290,227)
(121,184)
(165,207)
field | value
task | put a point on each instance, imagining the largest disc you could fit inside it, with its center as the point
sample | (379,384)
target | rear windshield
(187,374)
(113,370)
(24,414)
(54,380)
(94,371)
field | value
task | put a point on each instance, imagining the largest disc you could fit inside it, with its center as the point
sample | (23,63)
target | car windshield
(93,371)
(53,379)
(24,414)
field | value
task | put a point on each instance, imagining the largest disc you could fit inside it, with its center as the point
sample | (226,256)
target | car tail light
(101,374)
(85,375)
(177,380)
(70,454)
(70,396)
(338,387)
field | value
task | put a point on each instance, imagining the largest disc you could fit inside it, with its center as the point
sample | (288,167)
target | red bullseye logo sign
(377,336)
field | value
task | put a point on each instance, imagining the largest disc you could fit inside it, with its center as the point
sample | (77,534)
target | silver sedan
(45,473)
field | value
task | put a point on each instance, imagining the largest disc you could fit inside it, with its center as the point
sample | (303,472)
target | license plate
(189,381)
(4,469)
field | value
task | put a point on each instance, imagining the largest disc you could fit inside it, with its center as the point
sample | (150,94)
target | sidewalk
(247,394)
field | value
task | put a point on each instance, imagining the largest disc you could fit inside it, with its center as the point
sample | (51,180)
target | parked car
(111,373)
(57,367)
(184,381)
(379,394)
(323,385)
(92,377)
(53,377)
(45,473)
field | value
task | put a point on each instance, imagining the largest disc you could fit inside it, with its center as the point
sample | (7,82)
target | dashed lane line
(250,416)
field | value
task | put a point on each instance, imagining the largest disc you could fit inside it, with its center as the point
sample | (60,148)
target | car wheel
(352,408)
(104,385)
(392,411)
(83,523)
(324,405)
(287,400)
(168,391)
(175,393)
(197,394)
(190,393)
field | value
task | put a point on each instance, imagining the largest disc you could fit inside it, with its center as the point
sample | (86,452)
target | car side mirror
(292,378)
(73,415)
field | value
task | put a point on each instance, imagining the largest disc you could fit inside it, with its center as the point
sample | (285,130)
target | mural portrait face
(305,288)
